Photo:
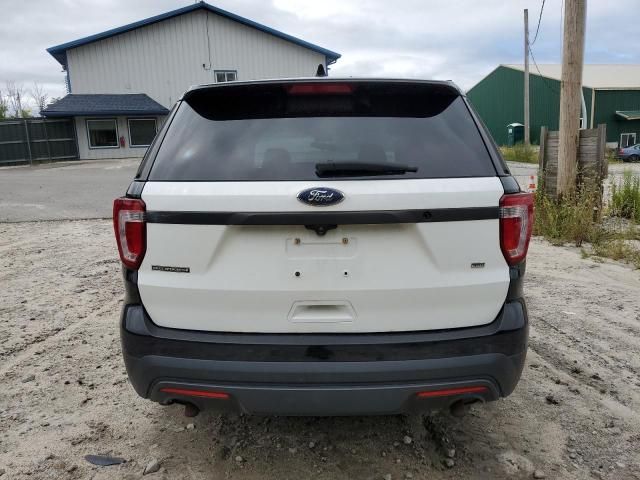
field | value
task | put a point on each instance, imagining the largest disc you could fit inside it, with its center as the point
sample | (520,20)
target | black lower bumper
(325,374)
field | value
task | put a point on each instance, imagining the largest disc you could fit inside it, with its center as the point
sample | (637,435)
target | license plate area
(319,248)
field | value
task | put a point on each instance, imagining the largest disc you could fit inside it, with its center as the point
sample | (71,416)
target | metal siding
(165,58)
(59,52)
(499,100)
(607,102)
(24,140)
(86,153)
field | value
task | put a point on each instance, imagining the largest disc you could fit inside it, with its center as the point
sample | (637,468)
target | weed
(520,153)
(618,249)
(570,219)
(625,197)
(575,219)
(612,156)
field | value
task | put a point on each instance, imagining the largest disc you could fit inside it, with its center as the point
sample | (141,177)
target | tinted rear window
(265,132)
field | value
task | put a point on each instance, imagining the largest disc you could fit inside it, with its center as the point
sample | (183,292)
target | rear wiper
(361,169)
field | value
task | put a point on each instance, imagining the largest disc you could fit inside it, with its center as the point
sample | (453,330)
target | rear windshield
(275,132)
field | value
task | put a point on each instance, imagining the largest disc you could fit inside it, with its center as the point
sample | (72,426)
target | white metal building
(110,73)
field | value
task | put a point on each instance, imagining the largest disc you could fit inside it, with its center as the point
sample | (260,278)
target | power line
(539,21)
(544,79)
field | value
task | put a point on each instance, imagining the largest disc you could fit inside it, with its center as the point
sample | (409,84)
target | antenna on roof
(320,72)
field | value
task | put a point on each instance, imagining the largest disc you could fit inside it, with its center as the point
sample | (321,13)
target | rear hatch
(322,207)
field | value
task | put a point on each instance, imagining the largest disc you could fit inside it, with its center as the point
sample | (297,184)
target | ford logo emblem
(320,196)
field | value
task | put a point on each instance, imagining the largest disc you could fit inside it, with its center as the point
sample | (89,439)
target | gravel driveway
(65,190)
(574,415)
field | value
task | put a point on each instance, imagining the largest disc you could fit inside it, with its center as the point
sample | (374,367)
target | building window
(102,133)
(627,140)
(141,131)
(226,76)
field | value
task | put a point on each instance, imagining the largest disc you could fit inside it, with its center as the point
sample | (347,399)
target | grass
(618,249)
(520,153)
(577,219)
(625,197)
(611,155)
(570,220)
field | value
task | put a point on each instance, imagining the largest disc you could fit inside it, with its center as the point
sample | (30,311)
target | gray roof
(597,76)
(76,104)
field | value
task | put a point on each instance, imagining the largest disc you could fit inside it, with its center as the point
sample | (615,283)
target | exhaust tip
(460,408)
(190,410)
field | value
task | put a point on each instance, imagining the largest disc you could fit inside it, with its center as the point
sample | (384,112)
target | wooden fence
(591,157)
(28,140)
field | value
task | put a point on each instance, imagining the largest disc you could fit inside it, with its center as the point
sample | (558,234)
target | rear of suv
(323,247)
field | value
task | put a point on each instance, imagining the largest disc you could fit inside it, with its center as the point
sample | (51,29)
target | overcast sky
(462,40)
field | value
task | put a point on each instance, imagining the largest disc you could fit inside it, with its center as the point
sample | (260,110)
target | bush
(576,219)
(625,197)
(520,153)
(570,219)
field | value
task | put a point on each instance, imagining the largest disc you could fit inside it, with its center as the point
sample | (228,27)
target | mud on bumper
(325,374)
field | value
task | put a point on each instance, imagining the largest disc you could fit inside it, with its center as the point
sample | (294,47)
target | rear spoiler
(320,97)
(448,84)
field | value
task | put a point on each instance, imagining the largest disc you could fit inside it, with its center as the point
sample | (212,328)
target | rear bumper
(336,374)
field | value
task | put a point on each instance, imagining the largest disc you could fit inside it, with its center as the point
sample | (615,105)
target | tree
(15,95)
(4,107)
(39,96)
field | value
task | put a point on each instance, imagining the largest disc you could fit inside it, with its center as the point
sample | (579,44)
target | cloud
(462,40)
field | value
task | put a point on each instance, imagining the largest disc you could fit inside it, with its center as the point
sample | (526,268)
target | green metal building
(611,96)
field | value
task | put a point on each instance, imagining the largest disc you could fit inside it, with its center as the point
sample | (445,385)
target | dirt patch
(575,413)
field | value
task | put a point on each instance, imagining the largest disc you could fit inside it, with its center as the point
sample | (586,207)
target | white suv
(323,247)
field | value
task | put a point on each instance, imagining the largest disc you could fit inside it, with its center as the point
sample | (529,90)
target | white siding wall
(164,59)
(87,153)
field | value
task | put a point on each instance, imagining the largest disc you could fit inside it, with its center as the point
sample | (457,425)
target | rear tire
(634,158)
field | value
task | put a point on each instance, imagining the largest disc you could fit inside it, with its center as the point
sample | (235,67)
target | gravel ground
(574,415)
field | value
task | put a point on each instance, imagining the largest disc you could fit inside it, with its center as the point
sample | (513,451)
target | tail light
(131,230)
(516,222)
(320,88)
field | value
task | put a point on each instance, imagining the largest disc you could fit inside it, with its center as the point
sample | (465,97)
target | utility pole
(575,14)
(527,137)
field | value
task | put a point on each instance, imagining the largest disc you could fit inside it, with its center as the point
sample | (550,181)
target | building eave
(628,114)
(100,105)
(624,89)
(534,72)
(103,113)
(59,52)
(482,79)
